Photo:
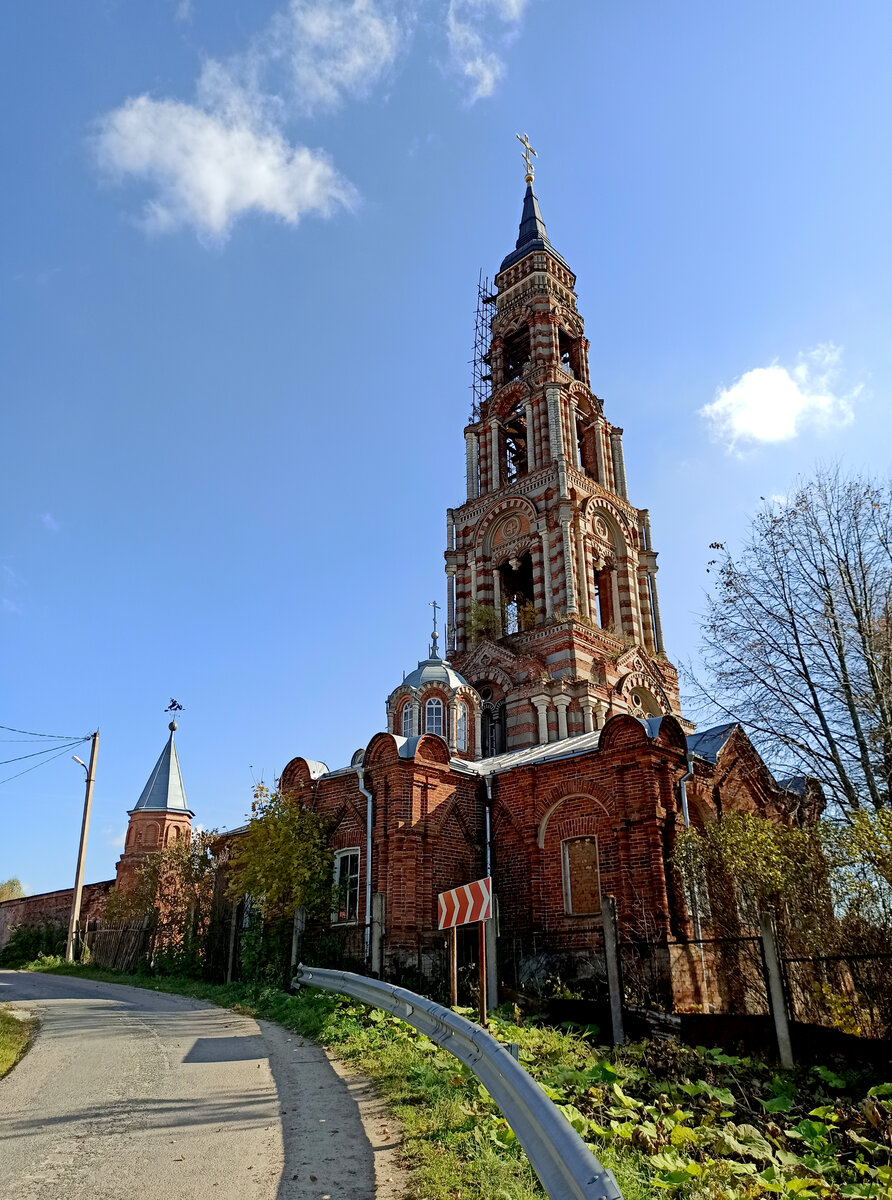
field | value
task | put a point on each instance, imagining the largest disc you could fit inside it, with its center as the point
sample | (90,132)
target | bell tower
(552,594)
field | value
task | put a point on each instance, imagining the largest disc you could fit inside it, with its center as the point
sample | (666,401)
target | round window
(485,693)
(636,700)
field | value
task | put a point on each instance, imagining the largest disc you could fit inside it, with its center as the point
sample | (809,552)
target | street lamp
(82,850)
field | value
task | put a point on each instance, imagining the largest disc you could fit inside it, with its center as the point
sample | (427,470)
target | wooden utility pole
(82,851)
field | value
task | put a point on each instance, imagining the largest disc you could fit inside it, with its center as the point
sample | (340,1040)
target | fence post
(230,958)
(297,938)
(777,1001)
(614,978)
(378,922)
(492,962)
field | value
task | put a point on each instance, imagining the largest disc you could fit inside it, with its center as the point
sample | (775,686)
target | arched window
(461,726)
(433,717)
(408,731)
(516,353)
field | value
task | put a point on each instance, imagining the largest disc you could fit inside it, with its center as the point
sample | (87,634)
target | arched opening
(516,352)
(570,350)
(433,716)
(518,609)
(493,727)
(408,724)
(514,429)
(643,703)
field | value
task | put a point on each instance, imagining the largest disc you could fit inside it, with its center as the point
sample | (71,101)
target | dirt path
(132,1092)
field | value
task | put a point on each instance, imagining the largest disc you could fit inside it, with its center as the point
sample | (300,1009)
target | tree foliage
(742,865)
(284,859)
(177,887)
(11,889)
(797,638)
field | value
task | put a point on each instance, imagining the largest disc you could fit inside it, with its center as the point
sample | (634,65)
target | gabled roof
(709,742)
(164,791)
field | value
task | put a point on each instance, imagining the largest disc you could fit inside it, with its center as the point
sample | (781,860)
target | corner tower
(160,816)
(552,597)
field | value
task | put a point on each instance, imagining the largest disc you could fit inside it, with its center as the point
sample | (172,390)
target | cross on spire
(527,151)
(435,637)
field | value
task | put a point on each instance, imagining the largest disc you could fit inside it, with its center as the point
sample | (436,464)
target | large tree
(797,638)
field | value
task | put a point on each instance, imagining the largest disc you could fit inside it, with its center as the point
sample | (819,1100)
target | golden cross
(527,151)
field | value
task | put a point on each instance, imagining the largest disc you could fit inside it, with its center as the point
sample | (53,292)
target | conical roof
(164,791)
(532,234)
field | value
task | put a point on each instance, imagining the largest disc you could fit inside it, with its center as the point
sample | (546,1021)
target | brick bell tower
(552,611)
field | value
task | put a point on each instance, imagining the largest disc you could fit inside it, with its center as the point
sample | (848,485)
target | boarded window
(582,885)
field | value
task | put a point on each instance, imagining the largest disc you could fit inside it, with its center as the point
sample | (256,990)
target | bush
(28,942)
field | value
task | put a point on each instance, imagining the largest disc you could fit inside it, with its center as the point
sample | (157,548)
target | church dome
(435,670)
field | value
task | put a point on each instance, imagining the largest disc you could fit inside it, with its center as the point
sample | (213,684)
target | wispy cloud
(776,404)
(10,606)
(473,28)
(49,522)
(228,152)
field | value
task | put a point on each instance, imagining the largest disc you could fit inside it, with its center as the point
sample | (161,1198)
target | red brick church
(544,745)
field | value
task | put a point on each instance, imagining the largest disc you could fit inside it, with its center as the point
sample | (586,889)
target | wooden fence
(125,946)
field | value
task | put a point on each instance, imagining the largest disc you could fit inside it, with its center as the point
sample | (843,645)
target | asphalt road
(130,1093)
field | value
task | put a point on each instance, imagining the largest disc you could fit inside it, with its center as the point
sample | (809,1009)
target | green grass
(668,1119)
(15,1038)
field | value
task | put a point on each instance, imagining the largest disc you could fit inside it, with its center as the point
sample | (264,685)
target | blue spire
(532,234)
(164,791)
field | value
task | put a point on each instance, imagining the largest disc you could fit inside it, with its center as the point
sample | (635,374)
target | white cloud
(469,32)
(208,168)
(334,48)
(227,153)
(10,606)
(775,404)
(49,522)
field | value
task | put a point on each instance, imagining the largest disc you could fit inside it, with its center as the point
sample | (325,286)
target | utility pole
(82,850)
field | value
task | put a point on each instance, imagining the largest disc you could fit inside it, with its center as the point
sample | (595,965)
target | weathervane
(527,151)
(435,637)
(173,708)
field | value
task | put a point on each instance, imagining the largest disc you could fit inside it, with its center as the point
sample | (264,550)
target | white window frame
(461,726)
(408,719)
(336,918)
(565,871)
(435,705)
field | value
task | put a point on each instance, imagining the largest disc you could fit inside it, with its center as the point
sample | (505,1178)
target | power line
(42,764)
(56,737)
(37,753)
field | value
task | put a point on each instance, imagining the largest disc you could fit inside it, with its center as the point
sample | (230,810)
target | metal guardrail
(565,1165)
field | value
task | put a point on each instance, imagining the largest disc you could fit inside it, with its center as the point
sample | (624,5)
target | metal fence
(849,992)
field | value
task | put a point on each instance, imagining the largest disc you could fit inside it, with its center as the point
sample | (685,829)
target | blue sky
(240,244)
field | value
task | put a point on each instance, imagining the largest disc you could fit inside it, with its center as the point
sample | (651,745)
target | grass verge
(15,1038)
